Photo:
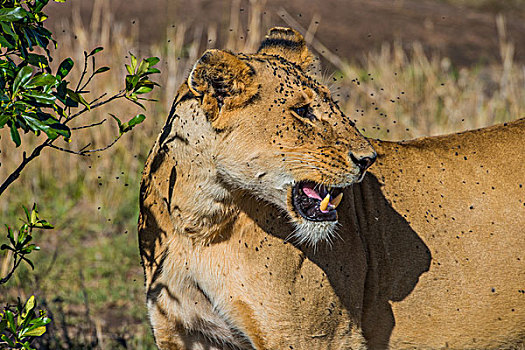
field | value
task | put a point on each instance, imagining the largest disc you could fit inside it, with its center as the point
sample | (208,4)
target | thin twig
(92,74)
(15,266)
(83,151)
(25,160)
(84,71)
(103,148)
(120,94)
(89,126)
(98,98)
(87,82)
(83,148)
(68,150)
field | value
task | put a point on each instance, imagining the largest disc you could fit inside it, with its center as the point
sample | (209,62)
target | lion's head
(277,133)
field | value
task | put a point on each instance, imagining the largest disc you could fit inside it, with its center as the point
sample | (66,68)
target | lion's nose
(363,161)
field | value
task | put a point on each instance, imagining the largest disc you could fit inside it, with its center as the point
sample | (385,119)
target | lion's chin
(312,233)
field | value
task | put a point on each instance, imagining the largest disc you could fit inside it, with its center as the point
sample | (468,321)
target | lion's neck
(199,204)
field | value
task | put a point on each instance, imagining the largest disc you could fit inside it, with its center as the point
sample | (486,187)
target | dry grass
(90,260)
(407,95)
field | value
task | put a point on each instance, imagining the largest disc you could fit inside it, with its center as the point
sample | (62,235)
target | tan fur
(427,252)
(287,43)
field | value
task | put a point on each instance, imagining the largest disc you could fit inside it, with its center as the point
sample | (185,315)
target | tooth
(324,202)
(337,200)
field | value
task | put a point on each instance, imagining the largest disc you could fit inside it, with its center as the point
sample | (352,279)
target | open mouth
(316,202)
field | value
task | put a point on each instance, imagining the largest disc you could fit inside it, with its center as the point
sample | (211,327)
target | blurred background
(400,68)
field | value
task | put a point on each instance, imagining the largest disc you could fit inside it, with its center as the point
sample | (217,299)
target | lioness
(257,171)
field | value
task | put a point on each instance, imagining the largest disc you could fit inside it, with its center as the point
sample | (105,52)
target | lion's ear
(288,44)
(223,80)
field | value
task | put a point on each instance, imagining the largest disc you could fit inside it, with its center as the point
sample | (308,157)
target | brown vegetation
(462,30)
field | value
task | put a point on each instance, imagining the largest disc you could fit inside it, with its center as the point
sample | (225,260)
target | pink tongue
(310,192)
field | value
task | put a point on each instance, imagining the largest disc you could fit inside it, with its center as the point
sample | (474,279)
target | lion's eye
(305,112)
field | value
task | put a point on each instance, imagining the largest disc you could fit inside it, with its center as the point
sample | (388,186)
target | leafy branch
(19,324)
(33,99)
(20,242)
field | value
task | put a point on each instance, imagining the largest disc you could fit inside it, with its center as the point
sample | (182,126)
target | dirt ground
(351,28)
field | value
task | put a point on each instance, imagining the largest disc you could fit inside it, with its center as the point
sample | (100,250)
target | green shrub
(35,99)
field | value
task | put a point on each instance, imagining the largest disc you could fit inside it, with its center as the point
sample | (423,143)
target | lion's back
(464,196)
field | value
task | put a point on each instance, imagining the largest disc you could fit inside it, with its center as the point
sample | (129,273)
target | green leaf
(25,242)
(143,89)
(41,80)
(30,37)
(142,67)
(30,305)
(30,248)
(37,328)
(3,120)
(27,249)
(129,69)
(152,60)
(10,321)
(9,30)
(40,97)
(70,103)
(61,89)
(77,98)
(15,136)
(50,126)
(152,71)
(116,119)
(44,224)
(33,332)
(39,5)
(134,99)
(131,82)
(133,62)
(101,70)
(22,234)
(41,321)
(5,43)
(136,120)
(10,235)
(37,60)
(12,14)
(64,68)
(3,323)
(23,76)
(125,127)
(95,50)
(27,213)
(42,37)
(6,339)
(34,214)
